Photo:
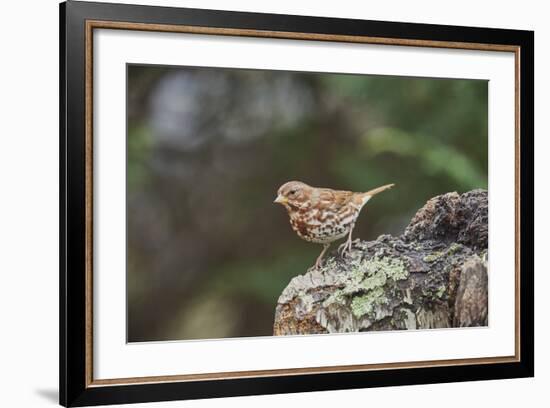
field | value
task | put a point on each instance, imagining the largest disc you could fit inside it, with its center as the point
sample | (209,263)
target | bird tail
(377,190)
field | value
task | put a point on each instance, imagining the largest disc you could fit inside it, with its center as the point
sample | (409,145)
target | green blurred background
(208,251)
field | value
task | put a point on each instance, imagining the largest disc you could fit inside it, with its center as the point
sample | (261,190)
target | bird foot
(345,249)
(318,264)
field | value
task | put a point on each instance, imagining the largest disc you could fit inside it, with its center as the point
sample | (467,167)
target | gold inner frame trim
(100,24)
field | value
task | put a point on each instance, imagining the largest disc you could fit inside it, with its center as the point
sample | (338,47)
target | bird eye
(292,192)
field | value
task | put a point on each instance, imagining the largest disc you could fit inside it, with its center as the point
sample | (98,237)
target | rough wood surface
(434,275)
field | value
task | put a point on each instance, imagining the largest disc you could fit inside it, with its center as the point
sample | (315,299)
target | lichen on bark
(434,275)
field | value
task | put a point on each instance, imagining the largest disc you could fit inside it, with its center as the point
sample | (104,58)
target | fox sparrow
(322,215)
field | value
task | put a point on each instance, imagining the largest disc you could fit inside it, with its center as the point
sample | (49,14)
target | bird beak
(280,199)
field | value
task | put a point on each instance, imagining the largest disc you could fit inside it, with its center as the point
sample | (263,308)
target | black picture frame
(75,389)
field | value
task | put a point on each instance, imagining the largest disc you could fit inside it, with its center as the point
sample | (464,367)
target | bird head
(292,194)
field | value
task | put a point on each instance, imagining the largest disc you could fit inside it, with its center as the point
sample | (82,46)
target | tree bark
(434,275)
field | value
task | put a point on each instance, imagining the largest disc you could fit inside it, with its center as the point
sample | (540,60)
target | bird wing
(335,199)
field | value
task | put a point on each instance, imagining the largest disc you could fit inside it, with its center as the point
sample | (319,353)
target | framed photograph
(256,204)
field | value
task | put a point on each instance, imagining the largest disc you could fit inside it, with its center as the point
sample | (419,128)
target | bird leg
(346,246)
(320,257)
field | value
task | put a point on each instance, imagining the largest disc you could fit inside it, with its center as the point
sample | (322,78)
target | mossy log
(434,275)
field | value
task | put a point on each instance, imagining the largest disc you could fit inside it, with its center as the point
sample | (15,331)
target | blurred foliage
(208,251)
(138,147)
